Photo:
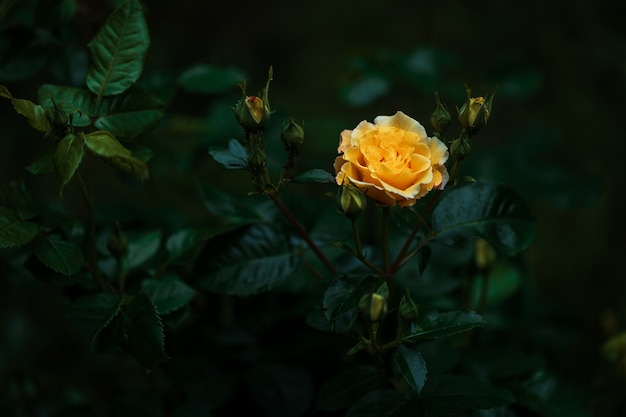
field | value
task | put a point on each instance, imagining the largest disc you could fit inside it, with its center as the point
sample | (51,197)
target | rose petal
(438,150)
(402,121)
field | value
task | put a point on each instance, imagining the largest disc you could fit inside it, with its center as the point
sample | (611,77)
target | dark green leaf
(129,115)
(445,324)
(15,195)
(411,365)
(235,157)
(141,249)
(138,330)
(491,211)
(106,146)
(99,308)
(44,165)
(117,51)
(342,390)
(315,175)
(58,254)
(225,206)
(67,157)
(381,403)
(248,260)
(168,293)
(14,231)
(463,392)
(344,294)
(77,102)
(208,79)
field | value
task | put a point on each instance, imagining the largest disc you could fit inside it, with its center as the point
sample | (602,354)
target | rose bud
(251,113)
(440,119)
(475,112)
(373,306)
(351,201)
(292,134)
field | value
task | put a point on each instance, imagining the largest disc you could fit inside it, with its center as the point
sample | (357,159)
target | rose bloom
(392,161)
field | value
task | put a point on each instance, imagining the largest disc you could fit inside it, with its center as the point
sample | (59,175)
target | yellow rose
(392,161)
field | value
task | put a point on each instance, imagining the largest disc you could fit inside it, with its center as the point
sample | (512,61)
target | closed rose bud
(373,306)
(252,114)
(408,310)
(292,134)
(460,148)
(351,201)
(475,112)
(440,119)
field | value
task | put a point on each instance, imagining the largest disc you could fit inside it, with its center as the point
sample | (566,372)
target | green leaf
(488,210)
(100,308)
(117,51)
(67,157)
(315,175)
(14,231)
(454,392)
(129,115)
(58,254)
(380,403)
(411,365)
(168,293)
(248,260)
(209,79)
(344,294)
(141,249)
(225,206)
(44,165)
(342,390)
(106,146)
(138,330)
(182,243)
(235,157)
(77,102)
(18,197)
(444,324)
(35,114)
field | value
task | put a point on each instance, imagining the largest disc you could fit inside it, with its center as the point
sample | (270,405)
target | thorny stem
(300,230)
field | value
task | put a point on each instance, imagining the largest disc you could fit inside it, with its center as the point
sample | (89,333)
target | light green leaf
(35,114)
(14,231)
(141,249)
(168,293)
(138,330)
(209,79)
(129,115)
(106,146)
(488,210)
(411,365)
(67,157)
(315,175)
(77,102)
(117,51)
(444,324)
(58,254)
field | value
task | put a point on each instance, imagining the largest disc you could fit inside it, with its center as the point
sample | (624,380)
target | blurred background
(555,135)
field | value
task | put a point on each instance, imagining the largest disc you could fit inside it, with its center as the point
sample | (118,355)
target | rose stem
(431,205)
(91,235)
(303,234)
(359,250)
(386,256)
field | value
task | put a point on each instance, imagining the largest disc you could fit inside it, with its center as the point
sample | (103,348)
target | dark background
(556,134)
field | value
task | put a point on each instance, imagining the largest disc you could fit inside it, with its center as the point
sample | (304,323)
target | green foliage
(168,293)
(58,254)
(117,51)
(15,231)
(411,365)
(209,79)
(67,157)
(106,146)
(234,157)
(315,175)
(445,324)
(491,211)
